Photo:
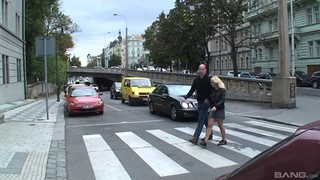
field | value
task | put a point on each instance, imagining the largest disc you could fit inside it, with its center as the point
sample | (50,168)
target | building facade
(12,51)
(305,44)
(262,54)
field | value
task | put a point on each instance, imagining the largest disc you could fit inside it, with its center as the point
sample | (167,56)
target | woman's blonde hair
(216,79)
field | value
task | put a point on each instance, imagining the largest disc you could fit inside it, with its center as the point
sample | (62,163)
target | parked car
(115,90)
(231,73)
(83,99)
(315,79)
(248,75)
(302,78)
(296,157)
(266,75)
(135,89)
(185,71)
(169,99)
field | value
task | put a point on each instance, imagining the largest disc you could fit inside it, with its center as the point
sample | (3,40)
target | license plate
(87,107)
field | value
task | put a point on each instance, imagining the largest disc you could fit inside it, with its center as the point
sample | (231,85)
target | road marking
(232,145)
(248,137)
(272,126)
(115,123)
(159,162)
(203,155)
(105,163)
(114,108)
(255,130)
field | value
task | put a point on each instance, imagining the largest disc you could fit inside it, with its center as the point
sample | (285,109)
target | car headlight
(187,104)
(72,104)
(99,102)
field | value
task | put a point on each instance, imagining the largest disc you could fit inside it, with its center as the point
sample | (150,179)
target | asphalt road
(308,91)
(127,142)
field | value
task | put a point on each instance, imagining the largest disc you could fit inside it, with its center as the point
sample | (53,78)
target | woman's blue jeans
(202,118)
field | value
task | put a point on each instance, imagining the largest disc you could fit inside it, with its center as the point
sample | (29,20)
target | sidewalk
(33,147)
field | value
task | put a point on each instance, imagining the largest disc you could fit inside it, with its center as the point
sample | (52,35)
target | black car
(315,79)
(115,90)
(302,78)
(169,99)
(266,75)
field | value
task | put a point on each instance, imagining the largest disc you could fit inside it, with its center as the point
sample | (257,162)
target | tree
(75,61)
(231,26)
(115,60)
(43,18)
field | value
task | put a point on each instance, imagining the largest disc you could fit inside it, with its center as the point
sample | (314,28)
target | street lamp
(126,65)
(292,38)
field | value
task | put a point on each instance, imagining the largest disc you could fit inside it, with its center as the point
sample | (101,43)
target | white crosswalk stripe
(255,130)
(152,156)
(272,126)
(205,156)
(104,162)
(243,140)
(233,146)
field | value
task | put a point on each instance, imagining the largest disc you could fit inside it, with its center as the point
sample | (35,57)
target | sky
(99,26)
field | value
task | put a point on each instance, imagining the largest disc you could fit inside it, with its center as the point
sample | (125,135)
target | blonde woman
(217,109)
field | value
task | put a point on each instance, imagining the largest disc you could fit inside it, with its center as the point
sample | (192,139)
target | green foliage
(182,36)
(75,61)
(114,60)
(44,18)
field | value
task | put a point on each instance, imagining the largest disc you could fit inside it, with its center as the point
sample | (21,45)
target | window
(17,24)
(271,54)
(260,55)
(270,25)
(289,19)
(275,24)
(5,12)
(5,69)
(309,16)
(310,48)
(19,70)
(316,14)
(318,48)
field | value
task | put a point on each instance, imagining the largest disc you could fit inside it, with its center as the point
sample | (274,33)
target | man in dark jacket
(201,84)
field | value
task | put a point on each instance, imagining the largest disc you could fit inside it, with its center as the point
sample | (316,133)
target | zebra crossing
(241,138)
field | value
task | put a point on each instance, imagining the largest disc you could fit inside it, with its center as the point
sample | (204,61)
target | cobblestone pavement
(32,146)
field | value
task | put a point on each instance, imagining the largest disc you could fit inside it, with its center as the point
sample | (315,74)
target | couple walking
(210,94)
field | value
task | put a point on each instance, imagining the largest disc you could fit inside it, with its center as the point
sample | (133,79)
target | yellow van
(135,89)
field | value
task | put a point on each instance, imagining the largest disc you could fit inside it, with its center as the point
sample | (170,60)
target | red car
(84,99)
(296,157)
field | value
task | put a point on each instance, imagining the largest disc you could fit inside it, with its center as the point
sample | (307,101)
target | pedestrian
(217,110)
(201,84)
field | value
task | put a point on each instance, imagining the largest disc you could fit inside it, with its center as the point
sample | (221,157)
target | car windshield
(301,74)
(118,85)
(140,83)
(80,92)
(179,90)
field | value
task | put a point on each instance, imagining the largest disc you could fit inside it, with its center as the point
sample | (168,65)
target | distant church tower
(119,37)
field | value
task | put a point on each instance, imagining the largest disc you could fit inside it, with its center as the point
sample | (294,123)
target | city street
(127,142)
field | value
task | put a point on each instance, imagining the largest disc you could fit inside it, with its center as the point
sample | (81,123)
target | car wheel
(151,108)
(122,100)
(130,101)
(315,85)
(173,113)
